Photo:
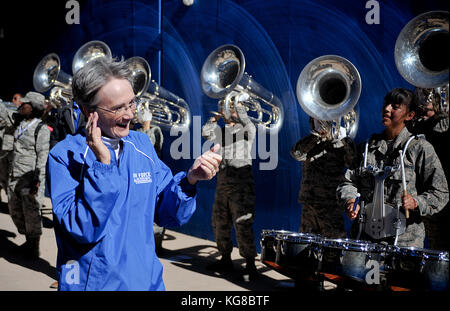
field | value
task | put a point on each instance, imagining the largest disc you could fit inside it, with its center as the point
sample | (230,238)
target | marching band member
(426,185)
(234,202)
(29,146)
(324,160)
(433,123)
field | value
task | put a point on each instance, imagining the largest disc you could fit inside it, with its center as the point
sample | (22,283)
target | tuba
(223,76)
(421,53)
(48,75)
(168,109)
(90,51)
(328,89)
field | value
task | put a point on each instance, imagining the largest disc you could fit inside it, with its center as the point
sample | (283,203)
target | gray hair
(94,75)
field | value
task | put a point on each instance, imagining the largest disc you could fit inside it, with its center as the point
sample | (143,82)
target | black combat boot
(31,248)
(224,264)
(250,270)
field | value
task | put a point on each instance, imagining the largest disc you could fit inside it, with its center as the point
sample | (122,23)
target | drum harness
(384,220)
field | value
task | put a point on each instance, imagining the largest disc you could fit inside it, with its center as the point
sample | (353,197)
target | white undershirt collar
(114,143)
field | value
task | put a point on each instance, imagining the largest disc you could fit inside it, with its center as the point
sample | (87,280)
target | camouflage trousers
(438,229)
(234,204)
(4,170)
(25,208)
(327,222)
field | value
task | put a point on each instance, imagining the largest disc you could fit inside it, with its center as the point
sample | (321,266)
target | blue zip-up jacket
(103,214)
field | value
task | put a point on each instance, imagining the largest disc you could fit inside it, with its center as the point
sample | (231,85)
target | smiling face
(116,93)
(394,116)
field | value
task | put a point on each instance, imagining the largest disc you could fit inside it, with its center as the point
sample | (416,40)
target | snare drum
(349,258)
(417,268)
(298,252)
(269,245)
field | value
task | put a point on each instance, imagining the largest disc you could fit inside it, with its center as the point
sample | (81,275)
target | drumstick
(404,181)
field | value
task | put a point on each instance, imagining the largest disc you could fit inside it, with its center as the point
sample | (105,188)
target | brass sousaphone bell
(49,75)
(223,77)
(168,110)
(421,53)
(328,89)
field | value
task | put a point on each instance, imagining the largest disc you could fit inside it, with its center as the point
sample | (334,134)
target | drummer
(426,185)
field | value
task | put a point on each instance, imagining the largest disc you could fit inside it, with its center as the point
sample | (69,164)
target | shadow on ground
(196,258)
(12,253)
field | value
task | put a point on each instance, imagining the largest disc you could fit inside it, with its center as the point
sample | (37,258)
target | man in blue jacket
(108,186)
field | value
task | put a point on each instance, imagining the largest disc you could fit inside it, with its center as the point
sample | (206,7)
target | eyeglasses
(122,109)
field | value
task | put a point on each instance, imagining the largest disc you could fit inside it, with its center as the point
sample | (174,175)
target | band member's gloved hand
(349,209)
(206,166)
(144,115)
(408,202)
(34,187)
(94,139)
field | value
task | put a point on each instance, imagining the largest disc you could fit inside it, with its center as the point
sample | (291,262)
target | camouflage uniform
(234,202)
(437,226)
(323,167)
(425,181)
(6,143)
(156,137)
(27,166)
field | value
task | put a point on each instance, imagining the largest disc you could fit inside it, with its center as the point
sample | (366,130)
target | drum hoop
(272,232)
(299,237)
(347,244)
(423,252)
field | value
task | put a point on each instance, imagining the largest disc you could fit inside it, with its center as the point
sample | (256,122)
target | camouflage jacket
(323,167)
(236,140)
(156,136)
(435,130)
(30,153)
(425,179)
(6,129)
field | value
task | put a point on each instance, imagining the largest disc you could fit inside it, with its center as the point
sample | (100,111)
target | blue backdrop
(278,38)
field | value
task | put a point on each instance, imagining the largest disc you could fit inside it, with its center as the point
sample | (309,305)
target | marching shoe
(224,264)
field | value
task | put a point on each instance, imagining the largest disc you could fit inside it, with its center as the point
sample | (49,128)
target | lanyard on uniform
(23,130)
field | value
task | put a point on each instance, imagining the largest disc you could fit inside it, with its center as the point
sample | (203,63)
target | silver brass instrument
(88,52)
(48,75)
(421,53)
(168,109)
(223,77)
(328,89)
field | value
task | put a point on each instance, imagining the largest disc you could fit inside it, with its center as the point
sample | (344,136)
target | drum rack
(344,262)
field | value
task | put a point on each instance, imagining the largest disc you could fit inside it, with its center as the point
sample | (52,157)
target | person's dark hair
(94,75)
(401,96)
